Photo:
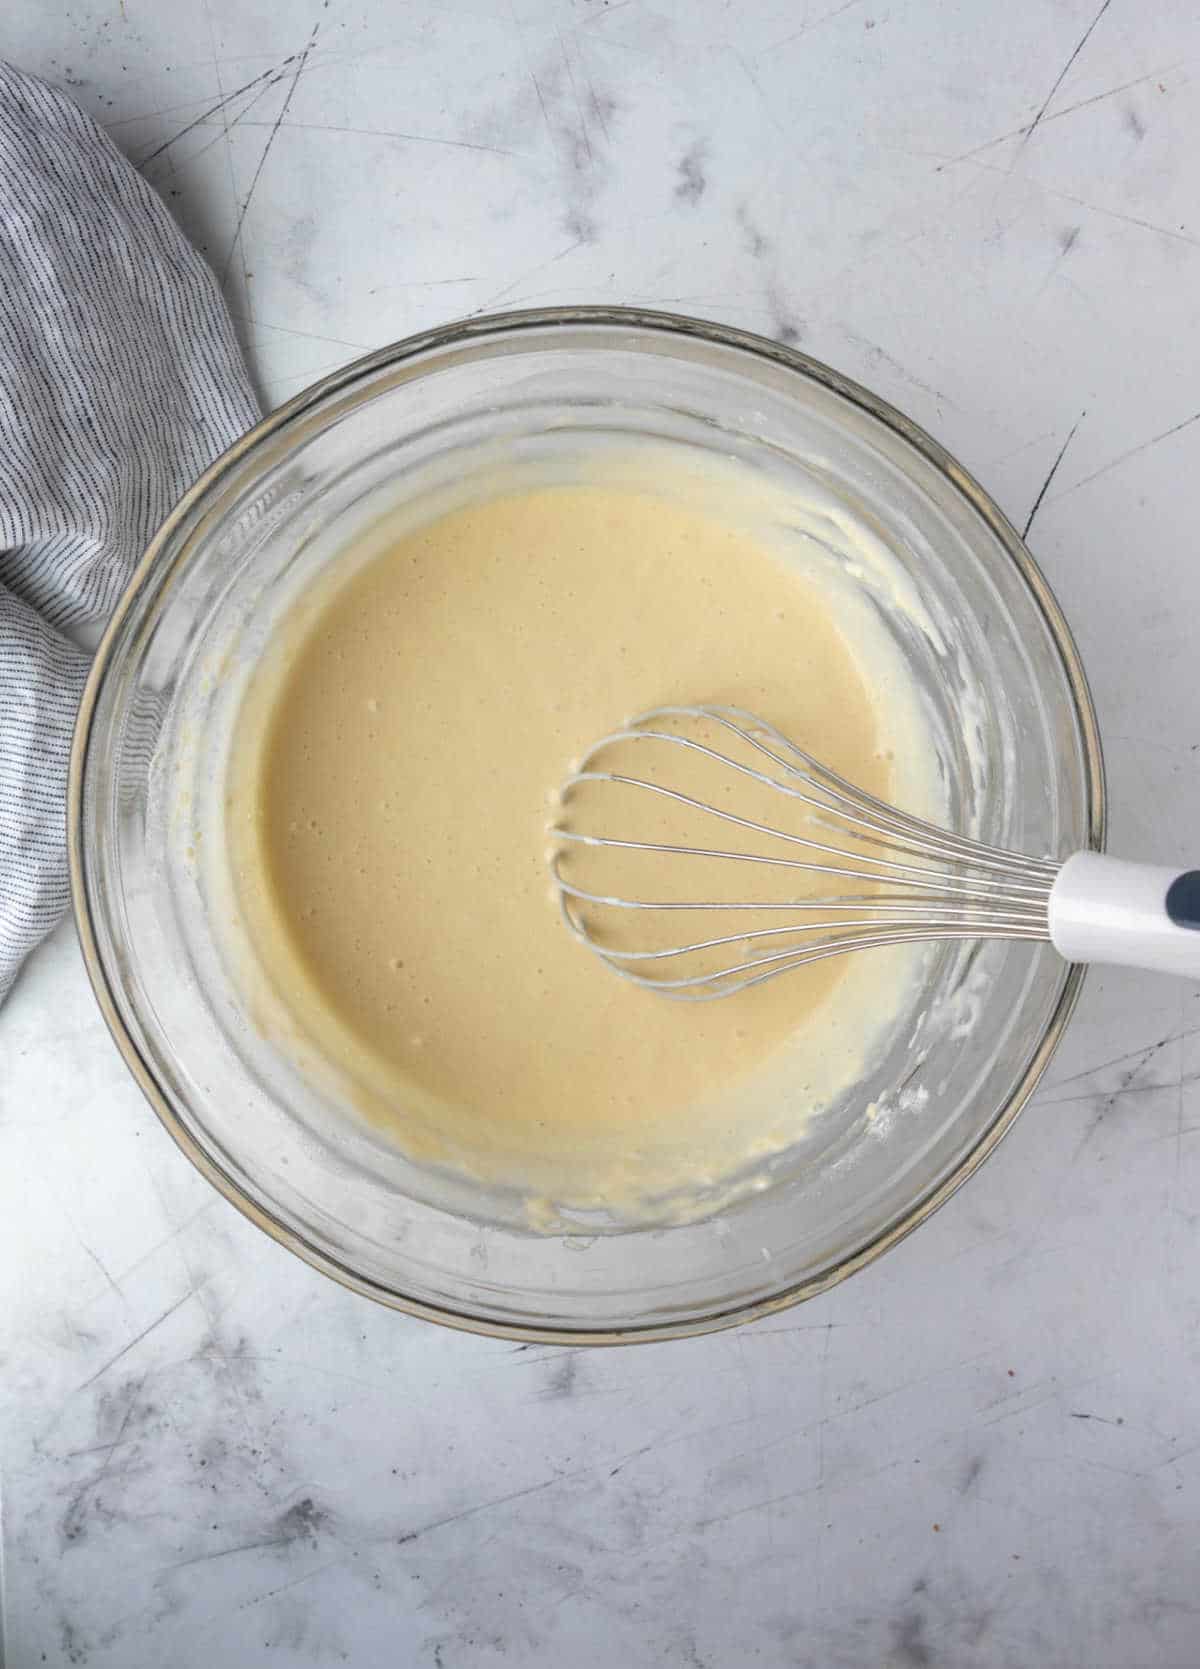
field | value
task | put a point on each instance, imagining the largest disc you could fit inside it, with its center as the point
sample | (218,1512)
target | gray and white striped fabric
(120,382)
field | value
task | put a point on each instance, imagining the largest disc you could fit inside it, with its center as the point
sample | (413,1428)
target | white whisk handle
(1107,910)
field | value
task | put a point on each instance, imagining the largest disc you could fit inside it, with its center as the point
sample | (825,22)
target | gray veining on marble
(984,1450)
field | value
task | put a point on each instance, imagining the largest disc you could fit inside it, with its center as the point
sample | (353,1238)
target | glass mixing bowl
(1000,679)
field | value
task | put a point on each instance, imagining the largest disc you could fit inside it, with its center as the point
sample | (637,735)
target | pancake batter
(395,778)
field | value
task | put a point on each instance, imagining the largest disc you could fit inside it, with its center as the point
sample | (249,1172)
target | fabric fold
(120,382)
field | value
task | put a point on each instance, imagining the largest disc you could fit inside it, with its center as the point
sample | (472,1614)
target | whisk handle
(1105,909)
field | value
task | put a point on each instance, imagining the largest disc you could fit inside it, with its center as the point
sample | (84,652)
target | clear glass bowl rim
(342,381)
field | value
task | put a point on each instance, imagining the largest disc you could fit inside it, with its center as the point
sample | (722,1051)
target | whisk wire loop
(936,884)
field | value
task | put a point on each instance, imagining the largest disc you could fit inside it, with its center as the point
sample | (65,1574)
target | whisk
(917,882)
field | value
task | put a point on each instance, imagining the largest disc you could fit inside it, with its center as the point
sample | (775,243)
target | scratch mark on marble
(1116,1095)
(1088,1461)
(144,1334)
(411,284)
(615,1462)
(727,298)
(1173,1460)
(218,1350)
(881,356)
(73,1518)
(799,1433)
(302,378)
(1067,239)
(489,1505)
(748,71)
(599,17)
(300,1364)
(324,60)
(759,1506)
(1025,446)
(388,133)
(622,1461)
(167,1239)
(270,1593)
(1119,1060)
(1062,452)
(909,1384)
(760,1332)
(1180,1128)
(854,1481)
(306,335)
(262,161)
(101,1266)
(576,243)
(628,1461)
(1143,446)
(1175,233)
(93,1449)
(220,1553)
(1021,1408)
(823,1372)
(1062,74)
(454,1572)
(1058,116)
(1141,742)
(1107,1100)
(813,23)
(216,65)
(536,1361)
(269,77)
(584,135)
(226,128)
(541,98)
(597,106)
(166,110)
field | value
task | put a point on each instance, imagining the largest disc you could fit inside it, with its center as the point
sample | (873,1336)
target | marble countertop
(984,1450)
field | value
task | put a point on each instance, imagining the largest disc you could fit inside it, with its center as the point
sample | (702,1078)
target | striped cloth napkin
(120,382)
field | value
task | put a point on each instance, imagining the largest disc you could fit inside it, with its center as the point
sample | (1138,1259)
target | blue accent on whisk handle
(1183,899)
(1135,915)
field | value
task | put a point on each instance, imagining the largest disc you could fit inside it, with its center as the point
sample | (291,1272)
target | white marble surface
(984,1450)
